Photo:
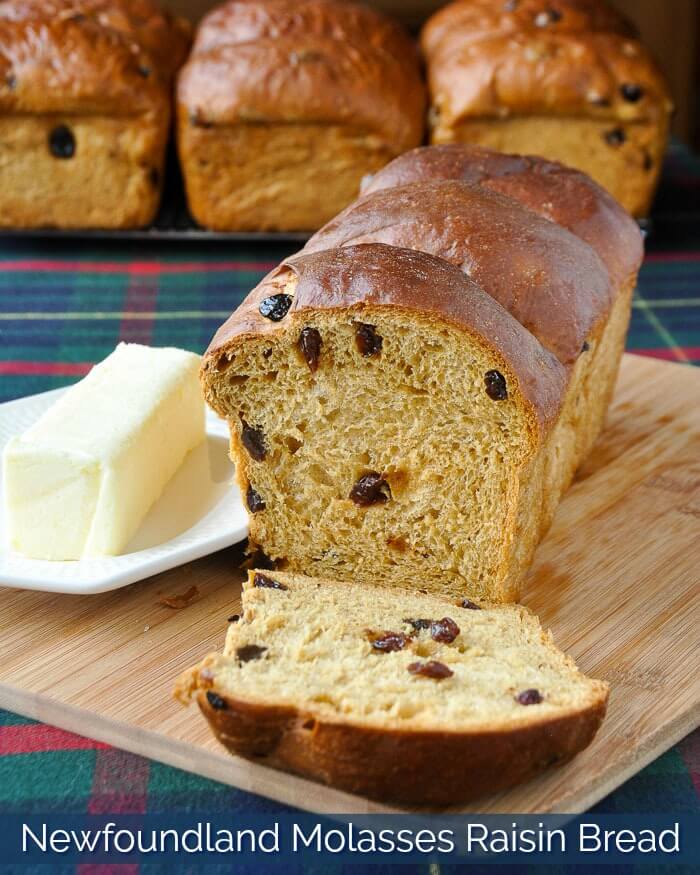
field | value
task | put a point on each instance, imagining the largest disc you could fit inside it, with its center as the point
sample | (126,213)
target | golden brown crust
(313,61)
(409,767)
(563,58)
(553,191)
(368,276)
(552,282)
(108,57)
(475,20)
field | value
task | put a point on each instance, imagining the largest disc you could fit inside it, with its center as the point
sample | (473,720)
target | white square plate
(199,512)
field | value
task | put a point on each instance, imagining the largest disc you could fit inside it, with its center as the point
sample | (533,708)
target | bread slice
(393,694)
(388,418)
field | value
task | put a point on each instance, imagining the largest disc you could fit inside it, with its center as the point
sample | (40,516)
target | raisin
(432,669)
(310,345)
(445,630)
(470,605)
(549,16)
(648,161)
(262,581)
(144,70)
(62,142)
(586,346)
(275,307)
(370,489)
(249,652)
(368,342)
(216,701)
(615,137)
(529,697)
(388,642)
(234,618)
(154,177)
(254,500)
(632,93)
(418,624)
(11,81)
(511,5)
(495,384)
(253,439)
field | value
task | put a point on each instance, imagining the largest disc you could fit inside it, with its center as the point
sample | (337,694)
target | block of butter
(79,482)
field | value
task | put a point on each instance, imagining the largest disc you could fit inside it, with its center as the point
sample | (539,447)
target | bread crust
(484,60)
(100,57)
(421,768)
(476,20)
(314,61)
(552,282)
(555,192)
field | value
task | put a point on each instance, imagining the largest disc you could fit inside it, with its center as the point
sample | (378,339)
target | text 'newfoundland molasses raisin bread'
(84,110)
(400,412)
(566,79)
(393,694)
(285,105)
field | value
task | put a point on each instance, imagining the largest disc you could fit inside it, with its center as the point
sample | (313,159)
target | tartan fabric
(64,307)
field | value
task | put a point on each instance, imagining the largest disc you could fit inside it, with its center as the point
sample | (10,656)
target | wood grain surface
(617,580)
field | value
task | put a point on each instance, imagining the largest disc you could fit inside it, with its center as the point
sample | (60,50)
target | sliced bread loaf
(361,360)
(388,418)
(393,694)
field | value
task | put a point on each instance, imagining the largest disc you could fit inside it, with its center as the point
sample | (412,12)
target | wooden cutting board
(617,580)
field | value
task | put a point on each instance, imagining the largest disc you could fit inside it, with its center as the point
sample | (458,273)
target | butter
(80,481)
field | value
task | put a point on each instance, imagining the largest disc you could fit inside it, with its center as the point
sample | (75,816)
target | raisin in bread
(539,249)
(393,694)
(84,110)
(566,79)
(388,418)
(284,105)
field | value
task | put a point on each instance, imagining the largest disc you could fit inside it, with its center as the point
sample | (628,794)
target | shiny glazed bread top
(555,192)
(495,58)
(309,61)
(113,57)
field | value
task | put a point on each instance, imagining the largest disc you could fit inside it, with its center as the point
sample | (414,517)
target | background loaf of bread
(284,106)
(565,79)
(84,110)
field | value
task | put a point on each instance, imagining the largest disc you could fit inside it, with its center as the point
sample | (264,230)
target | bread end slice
(393,695)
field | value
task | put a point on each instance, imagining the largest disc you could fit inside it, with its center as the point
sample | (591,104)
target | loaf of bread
(84,110)
(400,414)
(285,105)
(566,79)
(393,694)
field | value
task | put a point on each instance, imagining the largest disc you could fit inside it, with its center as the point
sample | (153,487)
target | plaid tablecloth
(64,307)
